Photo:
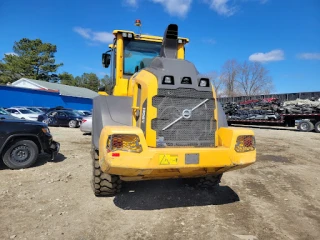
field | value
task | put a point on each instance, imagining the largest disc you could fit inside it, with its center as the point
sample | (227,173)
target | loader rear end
(170,127)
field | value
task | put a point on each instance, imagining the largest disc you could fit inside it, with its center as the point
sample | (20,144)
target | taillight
(124,142)
(245,143)
(84,120)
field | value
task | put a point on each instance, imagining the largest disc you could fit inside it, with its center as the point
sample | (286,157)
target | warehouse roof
(63,89)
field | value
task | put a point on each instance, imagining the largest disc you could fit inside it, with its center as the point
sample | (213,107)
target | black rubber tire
(21,147)
(317,127)
(305,126)
(103,184)
(205,182)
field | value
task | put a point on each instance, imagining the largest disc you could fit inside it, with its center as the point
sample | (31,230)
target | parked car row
(58,116)
(24,132)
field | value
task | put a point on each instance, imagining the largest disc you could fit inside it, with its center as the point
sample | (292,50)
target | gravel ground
(278,197)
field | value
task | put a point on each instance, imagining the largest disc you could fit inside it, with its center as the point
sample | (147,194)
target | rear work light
(124,142)
(168,80)
(204,82)
(245,143)
(186,80)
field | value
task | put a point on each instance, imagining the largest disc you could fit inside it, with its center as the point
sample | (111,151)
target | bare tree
(253,79)
(216,81)
(228,76)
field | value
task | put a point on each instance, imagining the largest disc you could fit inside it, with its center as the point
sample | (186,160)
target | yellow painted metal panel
(146,163)
(180,53)
(149,86)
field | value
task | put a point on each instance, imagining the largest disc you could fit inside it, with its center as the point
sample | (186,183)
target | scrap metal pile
(269,108)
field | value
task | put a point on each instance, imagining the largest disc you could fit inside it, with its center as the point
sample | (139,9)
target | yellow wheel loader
(160,119)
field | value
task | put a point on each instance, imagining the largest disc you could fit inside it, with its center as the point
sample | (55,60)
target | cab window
(138,54)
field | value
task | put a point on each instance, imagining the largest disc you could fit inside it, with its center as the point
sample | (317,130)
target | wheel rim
(318,127)
(20,154)
(72,123)
(304,126)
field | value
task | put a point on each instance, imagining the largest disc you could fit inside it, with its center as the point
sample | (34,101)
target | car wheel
(317,127)
(305,126)
(21,154)
(72,123)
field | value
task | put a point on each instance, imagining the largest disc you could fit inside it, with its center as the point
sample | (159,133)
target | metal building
(29,92)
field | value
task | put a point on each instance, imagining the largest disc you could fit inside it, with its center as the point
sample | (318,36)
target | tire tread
(103,184)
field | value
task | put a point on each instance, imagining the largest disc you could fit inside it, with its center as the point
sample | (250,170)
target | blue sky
(282,34)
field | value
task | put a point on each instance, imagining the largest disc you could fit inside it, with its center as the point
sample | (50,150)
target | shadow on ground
(173,193)
(42,159)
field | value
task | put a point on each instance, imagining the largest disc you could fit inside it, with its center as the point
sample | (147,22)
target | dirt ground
(276,198)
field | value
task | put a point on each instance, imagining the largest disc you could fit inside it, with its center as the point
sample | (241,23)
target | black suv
(21,141)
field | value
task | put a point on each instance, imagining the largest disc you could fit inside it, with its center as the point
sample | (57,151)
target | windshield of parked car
(4,112)
(26,111)
(72,114)
(79,113)
(138,54)
(35,110)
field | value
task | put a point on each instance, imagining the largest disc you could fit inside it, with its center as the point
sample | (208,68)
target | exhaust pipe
(170,42)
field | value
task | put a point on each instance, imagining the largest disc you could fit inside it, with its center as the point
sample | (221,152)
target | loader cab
(129,53)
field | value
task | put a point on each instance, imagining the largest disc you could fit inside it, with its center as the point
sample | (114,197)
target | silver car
(6,115)
(86,125)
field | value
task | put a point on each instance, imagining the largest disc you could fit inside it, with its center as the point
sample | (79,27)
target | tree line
(241,79)
(35,59)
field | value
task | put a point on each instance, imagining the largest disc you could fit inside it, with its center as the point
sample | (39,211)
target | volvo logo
(186,113)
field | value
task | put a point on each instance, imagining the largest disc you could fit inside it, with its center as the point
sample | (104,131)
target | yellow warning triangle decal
(164,160)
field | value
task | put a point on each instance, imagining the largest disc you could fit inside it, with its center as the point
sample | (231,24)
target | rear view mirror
(106,58)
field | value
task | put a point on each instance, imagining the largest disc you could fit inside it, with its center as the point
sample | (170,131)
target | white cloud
(178,8)
(11,53)
(274,55)
(103,37)
(225,7)
(309,56)
(84,32)
(221,7)
(94,37)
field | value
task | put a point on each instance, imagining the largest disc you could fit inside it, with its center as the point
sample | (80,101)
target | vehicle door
(52,118)
(62,118)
